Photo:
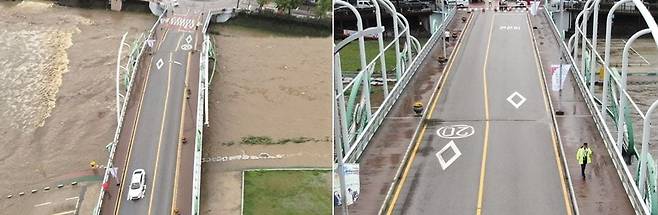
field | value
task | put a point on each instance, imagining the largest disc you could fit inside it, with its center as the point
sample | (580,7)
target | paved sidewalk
(603,192)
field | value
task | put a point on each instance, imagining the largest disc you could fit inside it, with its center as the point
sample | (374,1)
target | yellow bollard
(418,108)
(93,164)
(601,73)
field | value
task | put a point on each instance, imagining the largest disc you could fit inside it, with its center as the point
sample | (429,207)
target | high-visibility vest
(581,153)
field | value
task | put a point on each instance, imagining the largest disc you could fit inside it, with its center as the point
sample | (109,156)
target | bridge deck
(158,116)
(521,165)
(509,165)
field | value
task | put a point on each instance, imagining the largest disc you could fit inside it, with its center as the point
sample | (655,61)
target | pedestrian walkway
(602,192)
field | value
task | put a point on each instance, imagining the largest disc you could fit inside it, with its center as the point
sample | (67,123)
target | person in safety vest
(584,156)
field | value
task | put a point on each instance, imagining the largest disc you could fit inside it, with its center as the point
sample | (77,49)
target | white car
(459,3)
(174,2)
(137,187)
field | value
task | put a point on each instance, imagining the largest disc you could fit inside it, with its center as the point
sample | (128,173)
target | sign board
(558,76)
(347,33)
(352,184)
(534,7)
(150,42)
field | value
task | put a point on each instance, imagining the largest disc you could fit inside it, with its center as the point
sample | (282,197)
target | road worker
(584,156)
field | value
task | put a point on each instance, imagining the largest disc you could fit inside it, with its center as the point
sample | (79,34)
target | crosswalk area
(180,23)
(476,9)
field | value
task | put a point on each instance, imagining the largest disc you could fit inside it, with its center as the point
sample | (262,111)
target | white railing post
(646,131)
(606,60)
(621,118)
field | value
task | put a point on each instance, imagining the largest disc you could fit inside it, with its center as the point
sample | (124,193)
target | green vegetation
(322,7)
(287,192)
(265,140)
(287,5)
(349,55)
(274,24)
(262,3)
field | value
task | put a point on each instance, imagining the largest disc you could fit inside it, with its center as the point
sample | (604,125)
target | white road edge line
(65,212)
(42,204)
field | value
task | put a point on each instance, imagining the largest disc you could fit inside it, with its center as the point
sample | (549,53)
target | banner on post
(558,77)
(352,184)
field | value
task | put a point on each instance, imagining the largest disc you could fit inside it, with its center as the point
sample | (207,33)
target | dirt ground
(278,87)
(57,66)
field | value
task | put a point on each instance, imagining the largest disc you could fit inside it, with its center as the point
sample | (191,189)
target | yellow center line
(132,136)
(565,194)
(196,33)
(446,71)
(162,124)
(180,132)
(483,166)
(179,39)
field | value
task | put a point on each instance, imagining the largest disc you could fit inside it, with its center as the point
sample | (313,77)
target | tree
(322,7)
(287,5)
(262,3)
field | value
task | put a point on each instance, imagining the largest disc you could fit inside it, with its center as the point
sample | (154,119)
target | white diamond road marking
(188,39)
(445,164)
(516,104)
(159,63)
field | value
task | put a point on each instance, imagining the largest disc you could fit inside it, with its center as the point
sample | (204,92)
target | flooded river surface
(57,66)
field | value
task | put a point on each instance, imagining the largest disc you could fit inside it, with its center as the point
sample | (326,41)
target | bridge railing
(354,123)
(130,69)
(202,101)
(615,112)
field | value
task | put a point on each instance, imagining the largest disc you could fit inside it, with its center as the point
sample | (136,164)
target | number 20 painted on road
(455,131)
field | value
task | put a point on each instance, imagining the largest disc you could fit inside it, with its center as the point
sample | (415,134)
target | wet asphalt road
(155,139)
(509,164)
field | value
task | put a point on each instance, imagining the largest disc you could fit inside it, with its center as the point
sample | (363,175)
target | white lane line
(42,204)
(72,198)
(65,212)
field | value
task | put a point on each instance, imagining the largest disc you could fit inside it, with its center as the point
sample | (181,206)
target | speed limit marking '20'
(455,131)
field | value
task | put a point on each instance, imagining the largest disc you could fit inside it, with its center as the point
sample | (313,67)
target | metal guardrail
(353,119)
(624,173)
(363,139)
(198,145)
(133,64)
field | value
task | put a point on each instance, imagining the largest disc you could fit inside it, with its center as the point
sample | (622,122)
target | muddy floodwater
(57,94)
(270,86)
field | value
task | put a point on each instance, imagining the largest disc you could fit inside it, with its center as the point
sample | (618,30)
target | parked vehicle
(459,3)
(361,4)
